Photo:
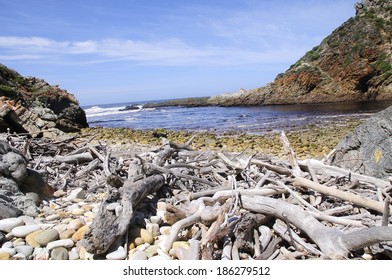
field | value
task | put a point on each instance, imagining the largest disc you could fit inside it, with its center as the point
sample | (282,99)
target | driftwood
(107,226)
(225,206)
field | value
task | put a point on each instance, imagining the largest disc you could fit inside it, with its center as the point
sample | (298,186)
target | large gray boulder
(368,149)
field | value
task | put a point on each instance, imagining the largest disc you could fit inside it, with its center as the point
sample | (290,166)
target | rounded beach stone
(6,225)
(19,242)
(112,206)
(138,255)
(138,241)
(75,224)
(67,243)
(77,193)
(78,212)
(30,239)
(146,236)
(52,217)
(7,244)
(41,254)
(59,253)
(23,231)
(153,229)
(152,251)
(119,254)
(4,256)
(79,234)
(25,250)
(73,254)
(46,236)
(67,233)
(11,251)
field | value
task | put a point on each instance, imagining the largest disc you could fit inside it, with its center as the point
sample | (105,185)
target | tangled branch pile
(177,203)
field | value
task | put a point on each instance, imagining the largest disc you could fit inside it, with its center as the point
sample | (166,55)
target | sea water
(252,120)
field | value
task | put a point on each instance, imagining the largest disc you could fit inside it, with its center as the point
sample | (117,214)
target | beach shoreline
(310,141)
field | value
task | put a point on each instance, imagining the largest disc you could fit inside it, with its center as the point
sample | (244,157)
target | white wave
(97,111)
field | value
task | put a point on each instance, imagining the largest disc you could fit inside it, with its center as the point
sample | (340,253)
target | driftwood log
(108,226)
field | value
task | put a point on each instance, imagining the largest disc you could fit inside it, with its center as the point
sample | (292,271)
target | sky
(118,51)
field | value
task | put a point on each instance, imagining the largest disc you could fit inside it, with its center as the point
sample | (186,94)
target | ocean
(251,120)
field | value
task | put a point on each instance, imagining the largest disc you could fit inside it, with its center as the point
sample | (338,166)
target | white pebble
(23,231)
(11,251)
(112,206)
(25,250)
(73,254)
(67,243)
(118,210)
(7,225)
(119,254)
(7,244)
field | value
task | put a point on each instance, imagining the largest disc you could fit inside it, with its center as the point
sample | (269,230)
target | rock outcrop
(368,149)
(21,188)
(351,64)
(31,105)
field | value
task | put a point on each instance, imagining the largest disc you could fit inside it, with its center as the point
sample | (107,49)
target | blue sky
(131,50)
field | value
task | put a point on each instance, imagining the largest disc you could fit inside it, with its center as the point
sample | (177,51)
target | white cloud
(171,51)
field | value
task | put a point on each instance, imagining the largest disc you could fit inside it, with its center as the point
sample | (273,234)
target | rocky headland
(351,64)
(31,105)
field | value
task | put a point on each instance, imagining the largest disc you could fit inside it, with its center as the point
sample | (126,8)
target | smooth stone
(25,250)
(59,253)
(119,254)
(165,230)
(152,251)
(146,236)
(52,217)
(6,225)
(112,206)
(153,229)
(67,233)
(61,227)
(138,241)
(19,242)
(87,207)
(156,220)
(30,239)
(49,235)
(84,255)
(75,224)
(118,210)
(11,251)
(41,253)
(8,244)
(23,231)
(76,193)
(79,234)
(73,254)
(18,256)
(138,255)
(78,212)
(4,256)
(181,244)
(67,243)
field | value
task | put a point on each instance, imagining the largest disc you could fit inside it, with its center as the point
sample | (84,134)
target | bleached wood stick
(353,198)
(337,171)
(83,157)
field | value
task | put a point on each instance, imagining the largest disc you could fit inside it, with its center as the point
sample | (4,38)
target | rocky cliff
(351,64)
(31,105)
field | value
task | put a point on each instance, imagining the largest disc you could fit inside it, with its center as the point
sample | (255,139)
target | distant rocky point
(351,64)
(31,105)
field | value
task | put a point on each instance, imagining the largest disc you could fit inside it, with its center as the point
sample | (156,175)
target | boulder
(17,182)
(368,149)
